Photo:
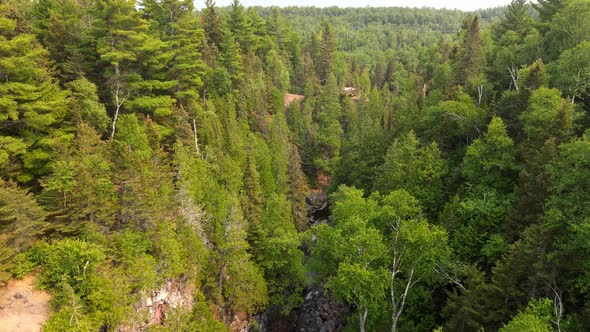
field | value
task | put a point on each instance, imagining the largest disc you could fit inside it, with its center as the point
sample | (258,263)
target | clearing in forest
(22,307)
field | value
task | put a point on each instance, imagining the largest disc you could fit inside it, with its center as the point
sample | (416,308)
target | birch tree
(417,249)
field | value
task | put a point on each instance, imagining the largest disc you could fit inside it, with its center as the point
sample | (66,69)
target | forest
(160,165)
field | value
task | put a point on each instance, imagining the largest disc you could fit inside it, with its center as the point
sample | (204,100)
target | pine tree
(516,18)
(240,25)
(86,107)
(134,61)
(231,71)
(548,8)
(34,108)
(297,189)
(80,191)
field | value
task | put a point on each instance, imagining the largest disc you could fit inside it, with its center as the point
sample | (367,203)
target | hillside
(284,169)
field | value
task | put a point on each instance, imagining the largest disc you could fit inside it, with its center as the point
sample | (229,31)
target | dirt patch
(22,307)
(290,98)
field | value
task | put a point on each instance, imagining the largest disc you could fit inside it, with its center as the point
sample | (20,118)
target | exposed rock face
(173,294)
(321,312)
(318,210)
(239,322)
(156,304)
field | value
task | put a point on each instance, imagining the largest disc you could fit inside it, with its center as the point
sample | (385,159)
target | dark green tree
(21,221)
(470,57)
(326,53)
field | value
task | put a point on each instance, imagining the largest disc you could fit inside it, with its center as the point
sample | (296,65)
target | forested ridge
(154,177)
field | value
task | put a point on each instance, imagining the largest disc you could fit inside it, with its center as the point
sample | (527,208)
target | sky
(451,4)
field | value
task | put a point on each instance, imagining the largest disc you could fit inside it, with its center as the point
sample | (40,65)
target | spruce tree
(212,24)
(470,57)
(326,53)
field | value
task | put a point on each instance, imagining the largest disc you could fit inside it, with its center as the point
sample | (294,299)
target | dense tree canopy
(146,144)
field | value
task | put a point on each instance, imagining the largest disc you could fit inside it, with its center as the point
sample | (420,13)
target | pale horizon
(466,5)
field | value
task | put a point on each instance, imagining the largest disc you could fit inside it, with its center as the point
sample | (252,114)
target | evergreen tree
(134,60)
(86,106)
(240,25)
(212,24)
(254,196)
(34,108)
(186,68)
(329,128)
(21,220)
(516,18)
(470,58)
(518,44)
(326,53)
(63,29)
(80,190)
(230,74)
(547,9)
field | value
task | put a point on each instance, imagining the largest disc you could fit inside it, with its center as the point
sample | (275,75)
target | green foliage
(173,157)
(516,18)
(360,286)
(548,115)
(33,106)
(71,262)
(375,239)
(454,122)
(275,248)
(470,58)
(570,72)
(418,169)
(517,44)
(536,317)
(465,308)
(329,131)
(199,319)
(475,222)
(564,214)
(569,27)
(21,220)
(490,160)
(86,106)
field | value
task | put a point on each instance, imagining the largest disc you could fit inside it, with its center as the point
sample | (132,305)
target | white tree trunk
(363,319)
(480,95)
(514,76)
(196,138)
